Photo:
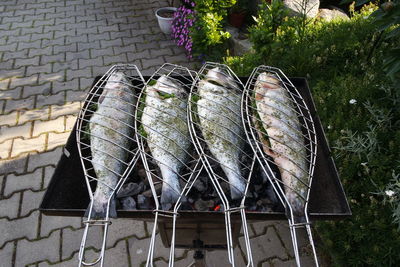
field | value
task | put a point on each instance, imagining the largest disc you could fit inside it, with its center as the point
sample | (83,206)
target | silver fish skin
(165,121)
(221,125)
(113,120)
(285,142)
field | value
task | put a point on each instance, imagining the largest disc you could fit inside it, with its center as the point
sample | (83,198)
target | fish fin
(99,210)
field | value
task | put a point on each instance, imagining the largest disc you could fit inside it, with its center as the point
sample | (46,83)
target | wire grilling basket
(282,133)
(217,130)
(105,136)
(165,144)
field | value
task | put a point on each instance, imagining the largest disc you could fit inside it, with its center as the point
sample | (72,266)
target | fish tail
(171,189)
(237,184)
(99,210)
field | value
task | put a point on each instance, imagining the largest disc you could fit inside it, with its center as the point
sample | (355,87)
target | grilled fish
(111,131)
(283,140)
(221,125)
(164,120)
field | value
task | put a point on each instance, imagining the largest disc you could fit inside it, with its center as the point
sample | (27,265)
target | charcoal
(202,205)
(200,185)
(130,189)
(128,203)
(143,202)
(149,193)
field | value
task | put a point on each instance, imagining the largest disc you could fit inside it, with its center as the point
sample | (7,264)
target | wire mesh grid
(218,134)
(165,144)
(282,133)
(105,136)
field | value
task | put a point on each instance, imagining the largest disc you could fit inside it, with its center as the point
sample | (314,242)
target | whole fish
(164,120)
(283,140)
(221,125)
(111,131)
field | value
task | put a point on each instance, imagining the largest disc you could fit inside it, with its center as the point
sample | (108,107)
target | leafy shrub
(359,107)
(207,33)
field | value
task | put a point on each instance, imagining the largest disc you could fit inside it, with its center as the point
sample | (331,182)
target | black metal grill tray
(67,194)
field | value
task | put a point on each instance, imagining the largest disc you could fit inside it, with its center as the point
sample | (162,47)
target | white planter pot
(165,23)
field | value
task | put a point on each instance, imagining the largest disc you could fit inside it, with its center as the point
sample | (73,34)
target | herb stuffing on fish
(221,125)
(164,120)
(111,131)
(280,133)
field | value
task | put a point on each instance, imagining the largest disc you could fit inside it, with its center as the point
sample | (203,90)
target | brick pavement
(50,51)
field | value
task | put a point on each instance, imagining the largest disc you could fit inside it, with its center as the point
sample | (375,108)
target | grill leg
(199,259)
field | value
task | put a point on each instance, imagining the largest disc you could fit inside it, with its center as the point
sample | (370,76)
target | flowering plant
(183,20)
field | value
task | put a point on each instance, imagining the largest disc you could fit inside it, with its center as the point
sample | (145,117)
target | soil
(166,14)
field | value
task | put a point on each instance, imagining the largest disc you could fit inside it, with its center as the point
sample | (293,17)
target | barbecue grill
(67,194)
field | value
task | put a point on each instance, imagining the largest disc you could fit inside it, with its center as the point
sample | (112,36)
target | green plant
(359,107)
(207,33)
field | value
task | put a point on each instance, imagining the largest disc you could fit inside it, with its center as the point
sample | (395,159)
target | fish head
(269,81)
(167,87)
(219,76)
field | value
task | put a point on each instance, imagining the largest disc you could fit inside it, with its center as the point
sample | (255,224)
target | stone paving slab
(50,52)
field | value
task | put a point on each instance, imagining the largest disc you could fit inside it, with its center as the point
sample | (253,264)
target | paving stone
(4,84)
(30,70)
(122,228)
(23,131)
(70,122)
(37,250)
(260,228)
(94,53)
(6,255)
(140,55)
(219,258)
(24,81)
(33,114)
(77,55)
(9,119)
(161,52)
(176,58)
(282,230)
(31,201)
(90,44)
(70,64)
(50,223)
(24,227)
(305,261)
(26,61)
(40,51)
(117,256)
(85,83)
(265,246)
(56,125)
(13,165)
(67,48)
(73,96)
(35,90)
(56,99)
(50,42)
(108,43)
(67,109)
(13,104)
(72,239)
(9,207)
(55,139)
(155,62)
(21,182)
(84,63)
(74,74)
(45,59)
(112,60)
(11,94)
(5,149)
(27,145)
